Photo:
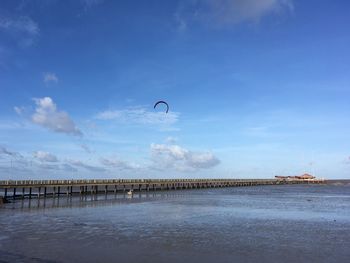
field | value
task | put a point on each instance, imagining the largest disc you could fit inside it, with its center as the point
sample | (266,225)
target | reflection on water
(87,200)
(248,224)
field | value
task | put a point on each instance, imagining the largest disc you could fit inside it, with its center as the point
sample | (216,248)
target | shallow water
(297,223)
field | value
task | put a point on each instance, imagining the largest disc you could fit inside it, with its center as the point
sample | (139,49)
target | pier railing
(118,181)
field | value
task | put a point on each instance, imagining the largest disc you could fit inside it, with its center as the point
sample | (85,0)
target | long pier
(18,189)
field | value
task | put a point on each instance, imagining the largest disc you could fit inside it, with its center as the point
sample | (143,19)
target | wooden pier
(12,189)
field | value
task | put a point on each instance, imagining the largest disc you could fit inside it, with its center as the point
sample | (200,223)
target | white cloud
(119,164)
(22,28)
(178,158)
(91,168)
(50,77)
(171,140)
(174,151)
(47,115)
(19,110)
(139,115)
(203,160)
(229,12)
(21,24)
(181,22)
(45,156)
(346,160)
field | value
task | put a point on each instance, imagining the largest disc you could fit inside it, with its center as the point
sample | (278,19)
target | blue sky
(256,88)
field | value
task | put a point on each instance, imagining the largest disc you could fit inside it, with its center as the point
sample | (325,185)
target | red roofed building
(306,176)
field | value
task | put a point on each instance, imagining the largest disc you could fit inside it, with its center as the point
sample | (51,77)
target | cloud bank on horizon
(256,88)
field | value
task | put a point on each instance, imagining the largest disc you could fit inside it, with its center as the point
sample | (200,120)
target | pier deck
(15,189)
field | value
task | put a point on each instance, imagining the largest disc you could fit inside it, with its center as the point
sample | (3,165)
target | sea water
(287,223)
